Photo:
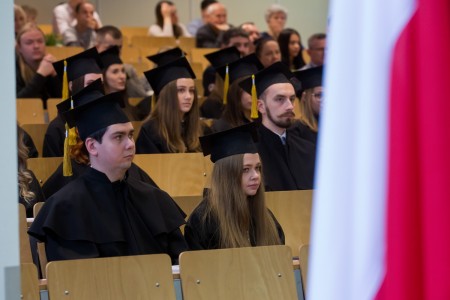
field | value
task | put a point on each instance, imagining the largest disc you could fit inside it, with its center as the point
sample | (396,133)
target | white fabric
(63,18)
(167,30)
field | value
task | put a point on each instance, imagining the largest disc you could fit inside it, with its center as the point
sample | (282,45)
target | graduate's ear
(261,106)
(91,146)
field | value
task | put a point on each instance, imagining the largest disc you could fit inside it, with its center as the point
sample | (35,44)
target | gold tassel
(254,112)
(65,83)
(153,103)
(226,84)
(67,164)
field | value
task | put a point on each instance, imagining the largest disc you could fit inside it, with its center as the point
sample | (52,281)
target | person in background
(174,125)
(233,213)
(167,23)
(253,34)
(291,49)
(195,24)
(83,33)
(31,13)
(64,17)
(316,50)
(210,34)
(276,16)
(268,51)
(35,75)
(20,18)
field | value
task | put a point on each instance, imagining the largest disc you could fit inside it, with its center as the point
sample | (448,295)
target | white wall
(307,16)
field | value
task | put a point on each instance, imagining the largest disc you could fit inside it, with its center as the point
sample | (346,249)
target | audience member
(20,18)
(83,33)
(114,215)
(64,17)
(291,49)
(233,213)
(195,24)
(276,16)
(174,125)
(288,159)
(316,50)
(210,34)
(31,13)
(167,23)
(35,75)
(29,143)
(268,51)
(253,34)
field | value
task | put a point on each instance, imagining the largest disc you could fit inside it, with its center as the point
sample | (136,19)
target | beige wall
(307,16)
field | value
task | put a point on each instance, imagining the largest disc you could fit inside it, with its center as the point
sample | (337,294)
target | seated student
(82,69)
(167,23)
(29,188)
(79,157)
(291,49)
(174,125)
(239,103)
(83,33)
(268,51)
(105,212)
(310,102)
(64,17)
(233,214)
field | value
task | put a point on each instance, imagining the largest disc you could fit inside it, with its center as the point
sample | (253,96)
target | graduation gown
(305,132)
(29,143)
(54,138)
(222,124)
(93,217)
(56,181)
(289,167)
(35,187)
(202,235)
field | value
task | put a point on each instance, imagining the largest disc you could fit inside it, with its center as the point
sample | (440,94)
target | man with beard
(288,160)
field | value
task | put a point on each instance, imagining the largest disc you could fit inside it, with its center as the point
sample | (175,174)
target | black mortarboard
(309,78)
(238,140)
(80,64)
(275,73)
(91,92)
(223,57)
(97,114)
(242,67)
(110,56)
(167,56)
(160,76)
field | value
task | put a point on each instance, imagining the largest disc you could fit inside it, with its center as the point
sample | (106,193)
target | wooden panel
(37,133)
(43,167)
(46,28)
(240,273)
(304,261)
(197,55)
(41,246)
(52,111)
(30,111)
(25,249)
(186,43)
(63,52)
(179,174)
(153,41)
(188,203)
(130,31)
(29,282)
(198,69)
(293,210)
(137,127)
(130,54)
(306,57)
(127,277)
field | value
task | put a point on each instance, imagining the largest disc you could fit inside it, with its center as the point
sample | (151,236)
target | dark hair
(316,36)
(259,44)
(111,30)
(177,32)
(79,5)
(231,33)
(205,3)
(98,135)
(283,42)
(233,112)
(77,85)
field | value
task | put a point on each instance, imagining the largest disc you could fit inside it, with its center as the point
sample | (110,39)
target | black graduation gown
(54,138)
(222,124)
(205,235)
(305,132)
(35,187)
(289,167)
(93,217)
(29,143)
(56,181)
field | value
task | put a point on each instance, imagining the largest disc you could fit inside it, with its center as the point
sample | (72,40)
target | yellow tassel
(153,103)
(254,112)
(67,164)
(65,83)
(226,84)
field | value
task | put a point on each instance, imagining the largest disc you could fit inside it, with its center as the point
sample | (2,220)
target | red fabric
(418,203)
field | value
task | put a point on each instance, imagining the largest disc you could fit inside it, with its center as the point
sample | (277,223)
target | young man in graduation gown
(105,212)
(288,160)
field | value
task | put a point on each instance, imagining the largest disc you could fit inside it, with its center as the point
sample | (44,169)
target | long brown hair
(167,116)
(24,176)
(26,71)
(177,32)
(236,213)
(306,111)
(234,111)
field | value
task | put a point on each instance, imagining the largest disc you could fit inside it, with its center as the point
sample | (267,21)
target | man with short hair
(194,25)
(316,50)
(83,33)
(253,34)
(105,212)
(210,34)
(288,160)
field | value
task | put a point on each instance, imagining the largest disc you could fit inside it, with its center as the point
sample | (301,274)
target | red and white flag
(381,213)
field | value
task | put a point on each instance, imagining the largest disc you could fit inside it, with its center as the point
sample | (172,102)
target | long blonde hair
(25,70)
(24,176)
(167,116)
(306,111)
(236,213)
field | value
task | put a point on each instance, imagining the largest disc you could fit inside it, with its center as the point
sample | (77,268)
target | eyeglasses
(318,95)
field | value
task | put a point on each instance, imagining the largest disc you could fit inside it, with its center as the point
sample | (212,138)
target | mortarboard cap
(160,76)
(91,92)
(309,78)
(80,64)
(110,56)
(167,56)
(223,57)
(238,140)
(242,67)
(97,114)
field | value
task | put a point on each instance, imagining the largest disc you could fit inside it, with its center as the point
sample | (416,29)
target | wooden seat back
(25,248)
(40,245)
(304,261)
(153,41)
(43,167)
(239,273)
(63,52)
(198,55)
(30,111)
(29,282)
(52,111)
(37,134)
(127,277)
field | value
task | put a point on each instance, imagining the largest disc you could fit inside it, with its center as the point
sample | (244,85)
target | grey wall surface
(307,16)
